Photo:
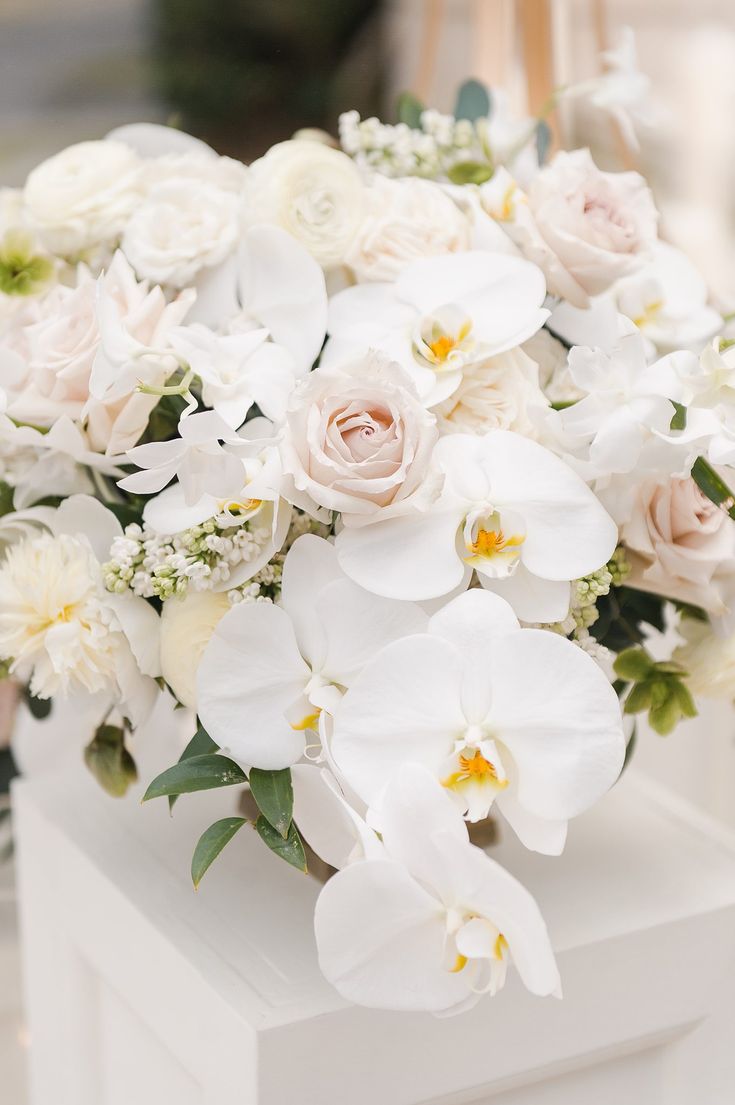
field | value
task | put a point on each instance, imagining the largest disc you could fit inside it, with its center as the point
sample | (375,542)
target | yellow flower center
(492,542)
(474,766)
(649,314)
(309,721)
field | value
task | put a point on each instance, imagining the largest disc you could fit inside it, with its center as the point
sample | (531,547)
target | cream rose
(314,192)
(83,196)
(583,227)
(707,658)
(358,441)
(187,625)
(405,220)
(495,394)
(681,545)
(182,226)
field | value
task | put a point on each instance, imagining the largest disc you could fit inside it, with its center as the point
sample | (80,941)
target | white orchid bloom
(272,283)
(441,314)
(518,718)
(509,508)
(667,301)
(626,401)
(237,370)
(435,923)
(203,465)
(280,666)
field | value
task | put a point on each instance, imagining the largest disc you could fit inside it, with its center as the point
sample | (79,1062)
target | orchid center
(493,546)
(649,314)
(475,773)
(474,944)
(443,339)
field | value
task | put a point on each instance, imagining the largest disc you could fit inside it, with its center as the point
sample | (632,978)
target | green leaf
(639,698)
(273,792)
(6,498)
(713,486)
(679,417)
(211,843)
(40,708)
(470,172)
(409,110)
(196,773)
(199,745)
(291,849)
(633,665)
(684,700)
(473,101)
(109,760)
(663,719)
(543,140)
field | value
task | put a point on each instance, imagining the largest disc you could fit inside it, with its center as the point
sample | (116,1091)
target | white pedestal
(141,992)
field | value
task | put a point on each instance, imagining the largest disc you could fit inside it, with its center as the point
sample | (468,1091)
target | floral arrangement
(391,463)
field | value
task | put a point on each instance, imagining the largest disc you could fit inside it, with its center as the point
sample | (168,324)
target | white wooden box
(141,992)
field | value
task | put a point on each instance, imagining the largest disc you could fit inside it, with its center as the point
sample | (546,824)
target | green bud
(109,760)
(22,272)
(633,665)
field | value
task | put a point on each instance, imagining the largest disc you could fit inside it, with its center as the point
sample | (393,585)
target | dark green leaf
(199,745)
(473,101)
(543,140)
(40,708)
(713,486)
(470,172)
(6,498)
(633,665)
(273,793)
(211,843)
(409,110)
(679,417)
(291,849)
(196,773)
(109,760)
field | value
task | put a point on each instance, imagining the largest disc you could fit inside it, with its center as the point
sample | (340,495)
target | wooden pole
(430,40)
(536,32)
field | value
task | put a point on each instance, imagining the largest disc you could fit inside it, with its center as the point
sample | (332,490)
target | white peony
(314,192)
(708,659)
(83,196)
(187,625)
(405,220)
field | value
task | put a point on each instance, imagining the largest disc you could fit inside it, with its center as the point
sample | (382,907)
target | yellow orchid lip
(474,767)
(491,542)
(309,721)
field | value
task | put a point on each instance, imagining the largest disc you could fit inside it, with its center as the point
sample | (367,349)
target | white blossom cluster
(398,150)
(162,565)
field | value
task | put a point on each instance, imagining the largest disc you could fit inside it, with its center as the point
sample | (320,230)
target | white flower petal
(535,600)
(326,820)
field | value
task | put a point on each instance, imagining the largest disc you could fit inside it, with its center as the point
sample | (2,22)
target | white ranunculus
(357,439)
(707,658)
(441,316)
(59,626)
(278,667)
(83,196)
(182,226)
(681,545)
(187,625)
(405,220)
(314,192)
(496,394)
(518,718)
(508,509)
(432,923)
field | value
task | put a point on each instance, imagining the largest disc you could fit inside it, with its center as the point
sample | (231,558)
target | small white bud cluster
(265,586)
(398,150)
(152,564)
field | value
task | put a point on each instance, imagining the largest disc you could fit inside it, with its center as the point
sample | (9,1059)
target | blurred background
(243,74)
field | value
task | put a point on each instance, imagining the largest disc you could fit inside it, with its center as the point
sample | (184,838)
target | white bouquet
(390,462)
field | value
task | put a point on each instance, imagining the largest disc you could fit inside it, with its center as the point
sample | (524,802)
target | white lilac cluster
(163,565)
(388,443)
(397,150)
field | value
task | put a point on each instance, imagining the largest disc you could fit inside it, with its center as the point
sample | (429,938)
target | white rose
(708,659)
(187,625)
(359,440)
(681,545)
(584,228)
(83,196)
(314,192)
(495,394)
(405,220)
(551,356)
(182,226)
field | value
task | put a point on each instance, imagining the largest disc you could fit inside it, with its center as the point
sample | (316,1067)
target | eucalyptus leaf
(109,760)
(410,110)
(291,849)
(199,745)
(473,101)
(679,417)
(543,140)
(713,486)
(633,665)
(206,772)
(211,843)
(273,792)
